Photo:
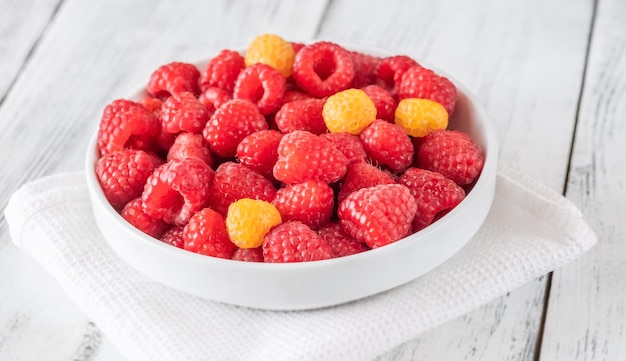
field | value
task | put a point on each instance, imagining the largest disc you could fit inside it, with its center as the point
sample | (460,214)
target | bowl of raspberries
(291,176)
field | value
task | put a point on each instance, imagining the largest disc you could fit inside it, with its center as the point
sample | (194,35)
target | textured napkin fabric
(529,231)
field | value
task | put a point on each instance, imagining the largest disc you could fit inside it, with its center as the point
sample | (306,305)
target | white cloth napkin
(530,231)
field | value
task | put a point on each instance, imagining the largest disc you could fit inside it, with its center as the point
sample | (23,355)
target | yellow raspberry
(349,111)
(419,117)
(271,50)
(249,220)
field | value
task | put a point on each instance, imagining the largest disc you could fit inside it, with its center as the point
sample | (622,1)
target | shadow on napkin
(530,231)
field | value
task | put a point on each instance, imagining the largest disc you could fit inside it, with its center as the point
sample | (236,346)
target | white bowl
(308,285)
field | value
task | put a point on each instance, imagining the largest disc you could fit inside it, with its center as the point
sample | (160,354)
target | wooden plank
(21,25)
(586,314)
(94,52)
(505,53)
(502,51)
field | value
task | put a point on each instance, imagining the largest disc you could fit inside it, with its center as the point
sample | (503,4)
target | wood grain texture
(505,53)
(523,59)
(586,314)
(21,25)
(92,53)
(504,329)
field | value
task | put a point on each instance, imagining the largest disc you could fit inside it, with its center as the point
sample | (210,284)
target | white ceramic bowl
(307,285)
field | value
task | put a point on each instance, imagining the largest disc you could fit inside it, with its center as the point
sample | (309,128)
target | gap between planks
(32,49)
(544,311)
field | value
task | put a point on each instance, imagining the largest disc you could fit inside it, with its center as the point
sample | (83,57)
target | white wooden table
(551,74)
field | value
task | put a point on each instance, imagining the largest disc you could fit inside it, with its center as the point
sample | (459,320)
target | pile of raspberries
(286,152)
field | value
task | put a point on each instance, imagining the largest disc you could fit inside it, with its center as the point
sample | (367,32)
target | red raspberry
(174,237)
(188,145)
(262,85)
(174,78)
(123,174)
(388,144)
(297,46)
(153,105)
(248,254)
(126,123)
(222,71)
(259,151)
(183,112)
(206,234)
(133,213)
(364,69)
(384,102)
(391,69)
(293,95)
(340,242)
(303,156)
(231,123)
(177,189)
(294,242)
(451,153)
(233,181)
(434,194)
(310,202)
(378,215)
(362,175)
(213,98)
(323,68)
(422,83)
(349,145)
(302,115)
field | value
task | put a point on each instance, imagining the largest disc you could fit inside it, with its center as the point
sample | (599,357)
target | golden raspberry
(349,111)
(271,50)
(419,117)
(249,220)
